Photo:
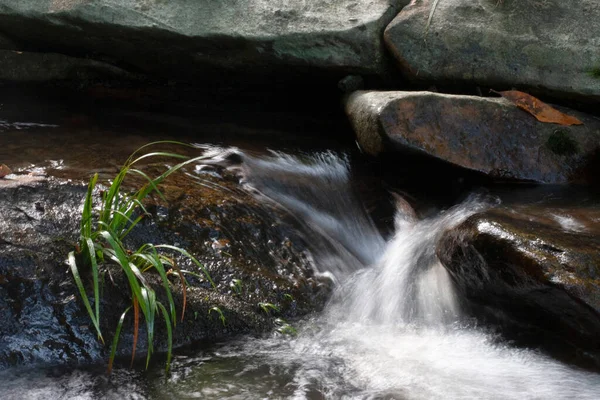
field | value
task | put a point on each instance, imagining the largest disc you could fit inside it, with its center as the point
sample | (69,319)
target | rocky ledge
(183,40)
(250,254)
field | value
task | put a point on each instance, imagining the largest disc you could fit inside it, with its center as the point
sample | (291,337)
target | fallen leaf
(4,170)
(542,111)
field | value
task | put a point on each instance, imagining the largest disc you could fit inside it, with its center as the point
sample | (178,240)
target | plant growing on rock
(101,242)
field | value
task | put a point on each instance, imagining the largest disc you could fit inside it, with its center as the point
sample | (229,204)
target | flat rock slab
(489,135)
(535,271)
(549,45)
(177,38)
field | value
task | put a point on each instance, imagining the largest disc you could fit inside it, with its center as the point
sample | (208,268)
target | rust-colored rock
(4,170)
(489,135)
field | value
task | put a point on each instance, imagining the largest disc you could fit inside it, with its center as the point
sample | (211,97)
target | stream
(393,329)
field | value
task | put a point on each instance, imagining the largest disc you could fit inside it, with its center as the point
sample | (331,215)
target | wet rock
(181,40)
(547,45)
(252,257)
(489,135)
(535,273)
(4,170)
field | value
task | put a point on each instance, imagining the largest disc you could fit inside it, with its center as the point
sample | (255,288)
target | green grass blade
(73,264)
(169,335)
(118,254)
(150,299)
(151,182)
(159,154)
(184,284)
(86,216)
(188,255)
(176,142)
(96,282)
(112,196)
(154,260)
(115,342)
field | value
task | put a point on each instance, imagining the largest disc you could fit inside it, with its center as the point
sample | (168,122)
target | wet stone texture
(489,135)
(250,254)
(535,273)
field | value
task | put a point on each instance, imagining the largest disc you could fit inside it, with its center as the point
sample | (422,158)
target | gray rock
(179,38)
(547,45)
(489,135)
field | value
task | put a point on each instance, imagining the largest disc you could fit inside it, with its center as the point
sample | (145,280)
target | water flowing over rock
(549,45)
(533,271)
(489,135)
(183,39)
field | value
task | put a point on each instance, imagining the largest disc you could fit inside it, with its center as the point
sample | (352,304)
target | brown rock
(4,170)
(535,271)
(489,135)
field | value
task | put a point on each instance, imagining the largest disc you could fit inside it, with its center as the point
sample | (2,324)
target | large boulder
(180,39)
(534,272)
(549,45)
(250,254)
(489,135)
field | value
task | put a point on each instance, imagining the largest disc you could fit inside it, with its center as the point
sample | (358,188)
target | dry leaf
(4,170)
(542,111)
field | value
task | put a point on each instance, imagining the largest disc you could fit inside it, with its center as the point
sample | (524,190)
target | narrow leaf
(73,264)
(115,342)
(169,335)
(136,328)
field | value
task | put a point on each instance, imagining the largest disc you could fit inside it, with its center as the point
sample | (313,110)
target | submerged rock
(549,46)
(180,39)
(251,255)
(489,135)
(535,273)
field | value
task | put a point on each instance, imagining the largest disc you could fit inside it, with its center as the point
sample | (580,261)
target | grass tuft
(101,242)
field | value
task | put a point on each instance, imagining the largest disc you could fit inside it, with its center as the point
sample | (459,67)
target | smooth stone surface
(547,45)
(489,135)
(178,39)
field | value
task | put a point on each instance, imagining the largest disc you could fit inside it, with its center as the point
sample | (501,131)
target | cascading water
(401,282)
(393,328)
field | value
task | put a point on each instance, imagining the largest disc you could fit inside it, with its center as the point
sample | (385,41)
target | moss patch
(561,143)
(594,72)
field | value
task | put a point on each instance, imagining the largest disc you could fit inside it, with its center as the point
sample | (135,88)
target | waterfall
(393,328)
(400,281)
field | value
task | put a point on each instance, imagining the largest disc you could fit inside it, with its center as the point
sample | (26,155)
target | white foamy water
(392,328)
